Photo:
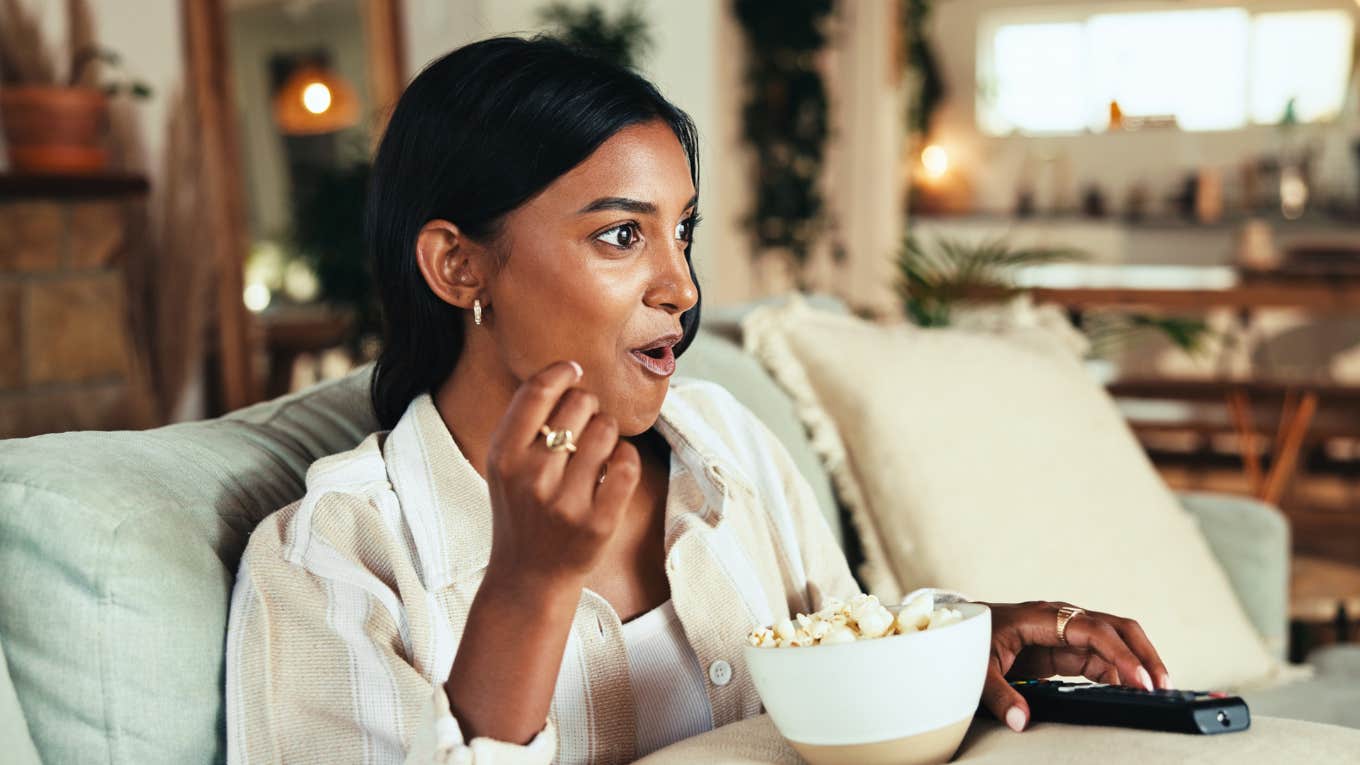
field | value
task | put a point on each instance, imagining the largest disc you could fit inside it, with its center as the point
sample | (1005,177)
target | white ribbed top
(669,690)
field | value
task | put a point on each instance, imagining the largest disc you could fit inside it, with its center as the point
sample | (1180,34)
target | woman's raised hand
(554,511)
(551,520)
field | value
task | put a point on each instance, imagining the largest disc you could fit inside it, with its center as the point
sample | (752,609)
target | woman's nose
(673,288)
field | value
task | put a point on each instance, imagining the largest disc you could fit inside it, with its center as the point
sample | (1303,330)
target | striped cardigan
(349,604)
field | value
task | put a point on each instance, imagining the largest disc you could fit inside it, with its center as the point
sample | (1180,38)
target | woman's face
(595,272)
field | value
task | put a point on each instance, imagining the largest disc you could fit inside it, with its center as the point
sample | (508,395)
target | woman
(555,552)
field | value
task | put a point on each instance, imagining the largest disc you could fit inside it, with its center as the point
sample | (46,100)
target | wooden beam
(386,58)
(209,78)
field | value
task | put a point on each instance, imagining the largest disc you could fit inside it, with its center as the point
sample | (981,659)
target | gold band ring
(558,440)
(1065,615)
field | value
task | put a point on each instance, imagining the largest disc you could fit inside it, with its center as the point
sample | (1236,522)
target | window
(1208,69)
(1039,84)
(1305,56)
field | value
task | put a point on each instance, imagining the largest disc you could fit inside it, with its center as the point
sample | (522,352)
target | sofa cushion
(1250,540)
(1331,697)
(1003,471)
(714,358)
(19,749)
(118,550)
(1269,741)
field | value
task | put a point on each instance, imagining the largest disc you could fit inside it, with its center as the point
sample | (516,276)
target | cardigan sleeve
(317,669)
(439,741)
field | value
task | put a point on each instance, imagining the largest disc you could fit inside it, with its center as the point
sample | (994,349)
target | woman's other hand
(1101,647)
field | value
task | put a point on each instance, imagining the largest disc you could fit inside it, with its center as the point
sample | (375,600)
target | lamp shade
(315,100)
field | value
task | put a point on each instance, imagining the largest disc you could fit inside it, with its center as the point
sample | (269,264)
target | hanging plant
(785,118)
(624,39)
(927,86)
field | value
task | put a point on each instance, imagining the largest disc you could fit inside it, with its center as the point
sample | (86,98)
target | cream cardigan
(349,604)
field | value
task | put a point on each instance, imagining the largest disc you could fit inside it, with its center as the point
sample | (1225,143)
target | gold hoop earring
(477,311)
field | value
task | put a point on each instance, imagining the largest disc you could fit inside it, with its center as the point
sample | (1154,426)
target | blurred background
(1178,183)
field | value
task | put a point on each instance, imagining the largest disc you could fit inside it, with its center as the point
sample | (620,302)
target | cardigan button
(720,672)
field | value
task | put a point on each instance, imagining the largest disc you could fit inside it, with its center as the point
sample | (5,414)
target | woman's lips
(662,367)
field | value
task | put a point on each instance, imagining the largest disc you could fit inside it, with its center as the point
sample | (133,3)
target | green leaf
(932,278)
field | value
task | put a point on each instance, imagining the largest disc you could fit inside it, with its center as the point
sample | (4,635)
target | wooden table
(291,331)
(1298,403)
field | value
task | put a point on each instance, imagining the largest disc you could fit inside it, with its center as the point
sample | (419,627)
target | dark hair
(475,135)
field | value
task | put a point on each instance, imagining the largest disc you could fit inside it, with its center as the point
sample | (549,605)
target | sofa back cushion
(1002,470)
(118,551)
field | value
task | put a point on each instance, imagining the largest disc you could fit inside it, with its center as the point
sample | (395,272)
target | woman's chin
(638,415)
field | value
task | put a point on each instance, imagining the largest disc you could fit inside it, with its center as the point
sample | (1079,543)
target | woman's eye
(684,230)
(622,237)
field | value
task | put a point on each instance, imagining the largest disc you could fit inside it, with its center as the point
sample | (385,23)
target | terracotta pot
(55,130)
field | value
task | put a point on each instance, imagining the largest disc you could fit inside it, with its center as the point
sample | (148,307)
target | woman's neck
(472,401)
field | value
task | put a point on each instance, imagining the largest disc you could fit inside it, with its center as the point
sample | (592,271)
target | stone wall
(67,358)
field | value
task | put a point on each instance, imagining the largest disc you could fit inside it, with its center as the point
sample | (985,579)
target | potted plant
(52,124)
(934,279)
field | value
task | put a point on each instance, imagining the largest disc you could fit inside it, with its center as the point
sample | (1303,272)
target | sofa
(118,552)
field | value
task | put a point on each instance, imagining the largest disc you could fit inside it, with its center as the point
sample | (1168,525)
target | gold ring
(1065,615)
(558,440)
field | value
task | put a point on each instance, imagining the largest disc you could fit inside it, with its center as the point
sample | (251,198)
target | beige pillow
(996,469)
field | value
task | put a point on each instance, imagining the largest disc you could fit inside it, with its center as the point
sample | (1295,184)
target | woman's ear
(452,264)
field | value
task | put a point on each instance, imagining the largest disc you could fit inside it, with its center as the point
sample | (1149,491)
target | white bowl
(897,699)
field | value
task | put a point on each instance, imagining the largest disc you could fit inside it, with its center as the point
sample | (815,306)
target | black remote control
(1165,710)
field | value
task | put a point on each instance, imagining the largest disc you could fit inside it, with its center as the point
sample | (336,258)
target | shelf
(15,186)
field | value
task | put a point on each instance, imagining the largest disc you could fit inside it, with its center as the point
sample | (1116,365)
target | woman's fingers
(531,404)
(593,448)
(573,411)
(1097,635)
(623,470)
(1001,699)
(1137,640)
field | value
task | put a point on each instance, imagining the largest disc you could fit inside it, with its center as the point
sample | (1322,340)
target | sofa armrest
(19,748)
(1251,541)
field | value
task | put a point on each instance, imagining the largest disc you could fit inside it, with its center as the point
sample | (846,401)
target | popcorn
(872,618)
(839,634)
(943,617)
(915,613)
(862,618)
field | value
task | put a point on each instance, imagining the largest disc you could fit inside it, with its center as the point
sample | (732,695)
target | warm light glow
(256,297)
(316,97)
(1293,193)
(315,100)
(300,282)
(936,161)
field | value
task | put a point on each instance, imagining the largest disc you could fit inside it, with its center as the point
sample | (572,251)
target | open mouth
(658,359)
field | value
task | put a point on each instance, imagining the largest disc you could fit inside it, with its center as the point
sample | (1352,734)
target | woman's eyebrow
(627,205)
